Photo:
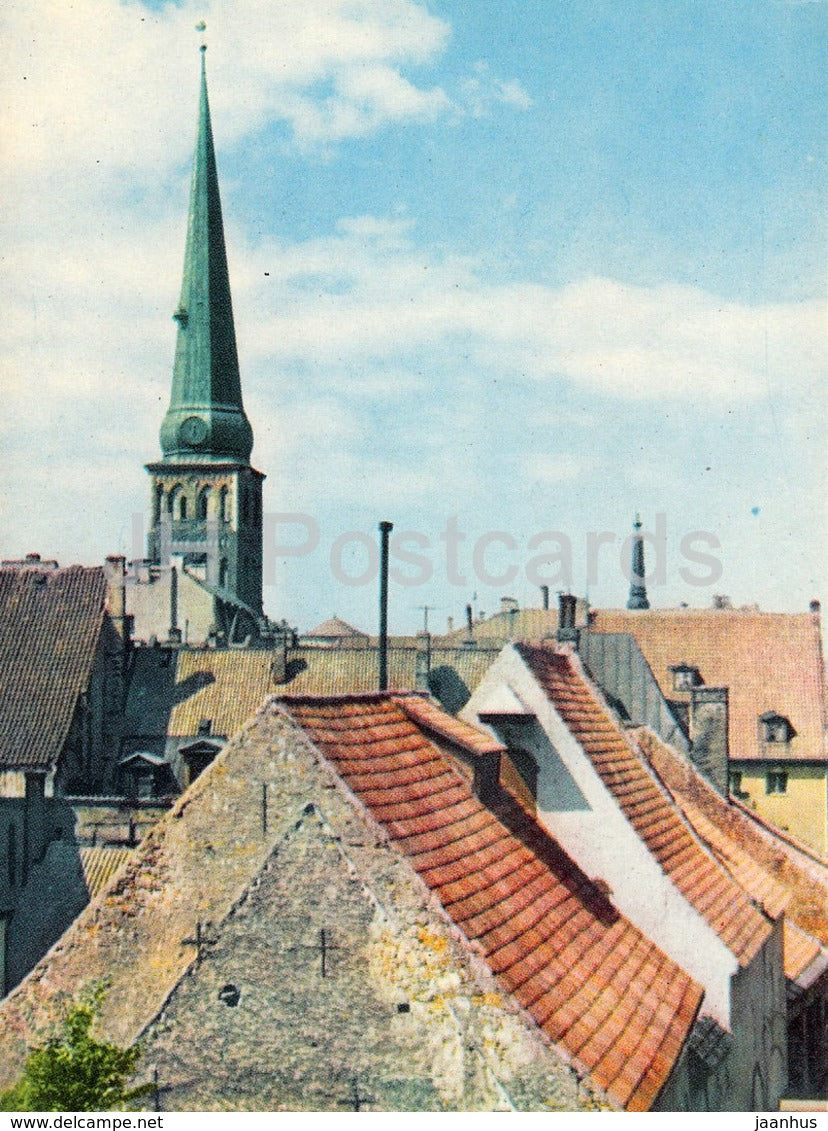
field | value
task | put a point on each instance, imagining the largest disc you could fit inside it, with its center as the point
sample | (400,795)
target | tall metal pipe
(385,529)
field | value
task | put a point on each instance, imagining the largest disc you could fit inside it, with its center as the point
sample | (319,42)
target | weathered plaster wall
(801,810)
(398,1021)
(197,867)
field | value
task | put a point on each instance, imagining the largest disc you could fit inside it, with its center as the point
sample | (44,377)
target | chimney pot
(385,528)
(567,632)
(545,596)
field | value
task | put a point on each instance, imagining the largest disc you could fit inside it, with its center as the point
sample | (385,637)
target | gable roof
(609,997)
(703,883)
(768,661)
(50,625)
(748,842)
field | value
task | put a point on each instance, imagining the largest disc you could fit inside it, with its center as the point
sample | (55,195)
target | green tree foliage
(75,1072)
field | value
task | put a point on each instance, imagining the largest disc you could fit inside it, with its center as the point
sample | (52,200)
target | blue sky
(532,264)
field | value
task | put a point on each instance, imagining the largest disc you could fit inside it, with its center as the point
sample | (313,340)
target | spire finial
(202,27)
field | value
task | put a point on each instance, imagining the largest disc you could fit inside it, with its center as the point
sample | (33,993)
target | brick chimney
(708,720)
(115,571)
(279,664)
(567,632)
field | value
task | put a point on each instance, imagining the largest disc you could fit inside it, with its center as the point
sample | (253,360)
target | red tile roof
(703,882)
(768,661)
(431,718)
(805,881)
(608,996)
(50,625)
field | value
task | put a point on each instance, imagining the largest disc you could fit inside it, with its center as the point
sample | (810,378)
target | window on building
(223,572)
(775,728)
(159,502)
(735,782)
(203,504)
(776,781)
(224,505)
(182,507)
(685,677)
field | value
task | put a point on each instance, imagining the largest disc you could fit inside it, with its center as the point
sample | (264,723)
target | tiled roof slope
(801,949)
(433,720)
(100,864)
(50,624)
(769,662)
(228,686)
(703,883)
(336,627)
(804,880)
(595,985)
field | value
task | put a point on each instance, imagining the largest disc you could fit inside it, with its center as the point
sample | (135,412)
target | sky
(504,272)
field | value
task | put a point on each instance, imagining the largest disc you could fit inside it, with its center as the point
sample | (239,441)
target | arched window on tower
(202,504)
(224,505)
(171,497)
(158,503)
(182,507)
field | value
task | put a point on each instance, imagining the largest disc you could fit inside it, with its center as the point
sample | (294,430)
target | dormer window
(205,727)
(685,677)
(775,728)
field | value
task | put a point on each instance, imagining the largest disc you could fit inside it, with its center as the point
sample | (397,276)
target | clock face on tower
(192,431)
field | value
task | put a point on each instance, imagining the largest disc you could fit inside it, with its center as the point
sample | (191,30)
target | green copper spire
(206,419)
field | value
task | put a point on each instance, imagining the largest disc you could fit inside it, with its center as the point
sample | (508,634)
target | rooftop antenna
(425,610)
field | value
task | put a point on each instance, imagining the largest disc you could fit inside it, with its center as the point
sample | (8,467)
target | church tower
(206,496)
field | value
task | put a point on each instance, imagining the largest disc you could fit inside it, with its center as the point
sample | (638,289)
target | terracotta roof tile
(553,938)
(431,719)
(801,949)
(50,626)
(761,864)
(704,883)
(768,662)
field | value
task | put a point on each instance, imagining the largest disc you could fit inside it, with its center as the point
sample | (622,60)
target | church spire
(206,419)
(638,587)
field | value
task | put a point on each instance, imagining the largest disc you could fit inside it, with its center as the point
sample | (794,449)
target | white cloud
(547,468)
(388,298)
(480,92)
